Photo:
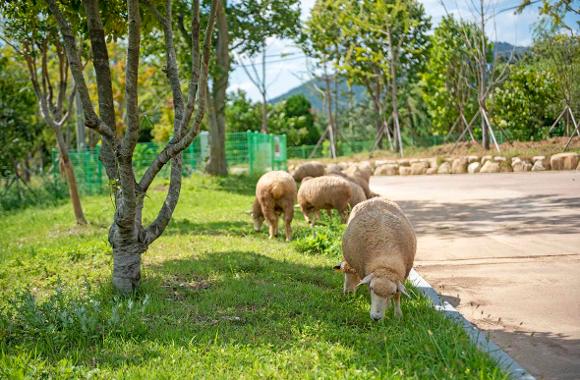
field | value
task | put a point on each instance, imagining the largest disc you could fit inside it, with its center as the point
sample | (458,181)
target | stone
(403,162)
(444,168)
(419,168)
(564,161)
(432,162)
(405,170)
(521,166)
(544,162)
(474,167)
(472,159)
(490,167)
(484,159)
(536,158)
(459,165)
(499,159)
(432,171)
(387,169)
(578,167)
(538,166)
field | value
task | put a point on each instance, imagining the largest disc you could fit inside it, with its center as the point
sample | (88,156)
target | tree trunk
(70,178)
(394,94)
(127,265)
(80,123)
(217,164)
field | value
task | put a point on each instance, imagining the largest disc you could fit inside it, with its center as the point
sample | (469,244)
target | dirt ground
(504,249)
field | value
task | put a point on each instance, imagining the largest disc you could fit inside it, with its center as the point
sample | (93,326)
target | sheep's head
(257,215)
(382,290)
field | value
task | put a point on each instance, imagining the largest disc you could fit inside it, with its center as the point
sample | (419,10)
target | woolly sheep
(308,169)
(324,193)
(275,194)
(360,179)
(379,247)
(358,193)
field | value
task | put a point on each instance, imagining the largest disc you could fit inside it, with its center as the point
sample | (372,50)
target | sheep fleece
(379,235)
(325,192)
(308,169)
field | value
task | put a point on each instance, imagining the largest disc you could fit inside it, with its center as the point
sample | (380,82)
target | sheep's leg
(272,219)
(397,304)
(343,214)
(288,216)
(351,281)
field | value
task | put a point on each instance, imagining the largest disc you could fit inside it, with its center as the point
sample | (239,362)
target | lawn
(217,301)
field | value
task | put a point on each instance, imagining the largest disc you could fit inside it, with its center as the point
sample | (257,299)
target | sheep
(358,193)
(308,169)
(324,193)
(379,246)
(360,179)
(275,194)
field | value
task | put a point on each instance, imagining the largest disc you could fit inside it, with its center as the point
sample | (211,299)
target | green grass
(217,301)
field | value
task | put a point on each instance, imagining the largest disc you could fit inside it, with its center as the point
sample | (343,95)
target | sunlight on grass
(217,300)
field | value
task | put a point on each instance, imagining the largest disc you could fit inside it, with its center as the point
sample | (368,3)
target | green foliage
(447,76)
(241,114)
(294,118)
(20,131)
(522,105)
(324,239)
(63,321)
(42,191)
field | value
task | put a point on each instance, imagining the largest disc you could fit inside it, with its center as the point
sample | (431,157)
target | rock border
(478,337)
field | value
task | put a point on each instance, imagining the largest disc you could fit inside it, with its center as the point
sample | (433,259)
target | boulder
(444,168)
(578,167)
(403,162)
(521,166)
(484,159)
(432,171)
(490,167)
(544,162)
(472,159)
(459,165)
(432,162)
(419,168)
(387,169)
(564,161)
(405,170)
(538,166)
(499,159)
(474,167)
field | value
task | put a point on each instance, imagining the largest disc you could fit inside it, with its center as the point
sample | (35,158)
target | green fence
(252,151)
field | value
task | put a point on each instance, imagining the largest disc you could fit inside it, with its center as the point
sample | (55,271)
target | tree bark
(217,164)
(70,177)
(127,265)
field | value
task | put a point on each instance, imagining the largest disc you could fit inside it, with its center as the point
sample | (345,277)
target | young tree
(27,28)
(128,236)
(447,80)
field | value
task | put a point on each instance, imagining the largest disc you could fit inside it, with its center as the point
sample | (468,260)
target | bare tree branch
(91,119)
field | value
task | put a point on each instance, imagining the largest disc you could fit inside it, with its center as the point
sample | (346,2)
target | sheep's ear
(401,288)
(366,280)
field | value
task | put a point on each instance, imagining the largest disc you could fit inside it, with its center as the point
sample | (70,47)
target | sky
(287,67)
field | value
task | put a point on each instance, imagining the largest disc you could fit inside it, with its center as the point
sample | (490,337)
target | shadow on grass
(238,184)
(242,304)
(187,227)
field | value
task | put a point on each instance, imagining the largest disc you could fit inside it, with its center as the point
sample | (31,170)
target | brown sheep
(324,193)
(379,247)
(308,169)
(360,179)
(358,194)
(275,194)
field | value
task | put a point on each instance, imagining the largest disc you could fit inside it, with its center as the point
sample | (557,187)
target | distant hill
(308,89)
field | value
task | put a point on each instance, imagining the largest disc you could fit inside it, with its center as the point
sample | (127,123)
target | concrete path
(504,249)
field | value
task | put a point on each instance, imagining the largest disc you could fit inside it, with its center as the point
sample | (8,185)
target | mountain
(308,89)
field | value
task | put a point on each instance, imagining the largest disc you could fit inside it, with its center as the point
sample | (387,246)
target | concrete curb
(477,336)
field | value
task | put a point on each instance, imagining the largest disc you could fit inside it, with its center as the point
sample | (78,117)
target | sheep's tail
(278,190)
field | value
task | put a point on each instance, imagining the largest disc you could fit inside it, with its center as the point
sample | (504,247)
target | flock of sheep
(379,242)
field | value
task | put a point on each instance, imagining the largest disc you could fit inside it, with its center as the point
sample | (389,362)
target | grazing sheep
(361,179)
(275,194)
(308,169)
(379,247)
(324,193)
(358,193)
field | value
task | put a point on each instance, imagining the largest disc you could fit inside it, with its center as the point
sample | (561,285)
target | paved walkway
(504,249)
